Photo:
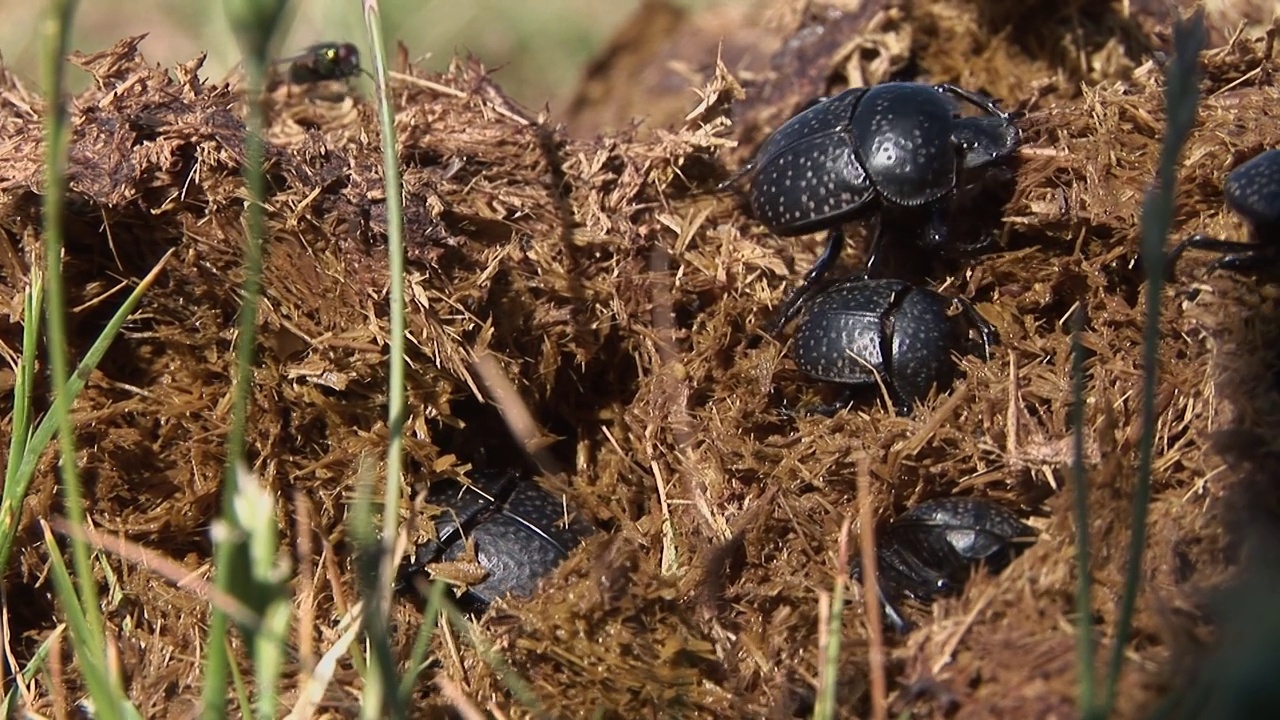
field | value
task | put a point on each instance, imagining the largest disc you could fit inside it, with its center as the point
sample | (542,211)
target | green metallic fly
(324,61)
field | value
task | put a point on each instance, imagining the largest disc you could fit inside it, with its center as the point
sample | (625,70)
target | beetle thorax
(904,142)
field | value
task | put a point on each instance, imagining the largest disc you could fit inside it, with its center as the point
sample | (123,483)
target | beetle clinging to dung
(895,148)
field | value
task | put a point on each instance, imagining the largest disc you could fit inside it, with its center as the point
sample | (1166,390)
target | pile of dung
(618,297)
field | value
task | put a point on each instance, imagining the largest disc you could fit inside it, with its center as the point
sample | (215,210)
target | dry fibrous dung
(617,294)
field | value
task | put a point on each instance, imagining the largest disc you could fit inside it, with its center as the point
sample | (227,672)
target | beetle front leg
(1239,256)
(986,331)
(1251,261)
(986,104)
(791,305)
(741,173)
(873,249)
(935,230)
(893,617)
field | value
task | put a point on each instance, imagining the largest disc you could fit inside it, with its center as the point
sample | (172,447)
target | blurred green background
(541,46)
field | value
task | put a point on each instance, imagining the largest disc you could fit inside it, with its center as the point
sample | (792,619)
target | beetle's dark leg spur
(791,305)
(1238,256)
(935,234)
(986,104)
(893,616)
(986,331)
(874,248)
(742,172)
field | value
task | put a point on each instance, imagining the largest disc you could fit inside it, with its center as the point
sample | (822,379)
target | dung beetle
(895,147)
(860,330)
(1253,192)
(324,61)
(517,528)
(930,550)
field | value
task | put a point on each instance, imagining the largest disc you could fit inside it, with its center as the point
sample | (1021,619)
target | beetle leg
(791,305)
(935,231)
(986,104)
(986,331)
(1252,261)
(741,173)
(893,617)
(1238,256)
(842,403)
(873,249)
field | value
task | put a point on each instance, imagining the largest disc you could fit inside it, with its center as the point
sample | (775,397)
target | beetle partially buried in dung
(519,533)
(861,332)
(930,550)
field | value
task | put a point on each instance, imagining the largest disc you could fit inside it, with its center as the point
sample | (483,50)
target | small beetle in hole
(324,61)
(517,528)
(1253,193)
(896,148)
(858,330)
(930,550)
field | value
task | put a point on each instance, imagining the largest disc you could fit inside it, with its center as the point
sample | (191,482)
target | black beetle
(895,147)
(324,61)
(930,550)
(858,330)
(1253,192)
(517,528)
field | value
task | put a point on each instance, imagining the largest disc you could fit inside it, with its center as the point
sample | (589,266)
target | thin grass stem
(381,671)
(1085,644)
(255,23)
(1181,98)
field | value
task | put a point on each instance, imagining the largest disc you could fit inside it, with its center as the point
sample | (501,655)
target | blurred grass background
(540,47)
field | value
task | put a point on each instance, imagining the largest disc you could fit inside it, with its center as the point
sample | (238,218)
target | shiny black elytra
(1253,192)
(858,330)
(894,147)
(517,528)
(324,61)
(930,550)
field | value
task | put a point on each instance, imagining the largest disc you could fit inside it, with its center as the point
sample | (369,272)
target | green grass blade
(1181,98)
(381,685)
(422,643)
(33,666)
(32,303)
(251,531)
(57,141)
(379,697)
(85,638)
(80,604)
(239,686)
(1085,645)
(825,708)
(20,471)
(255,23)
